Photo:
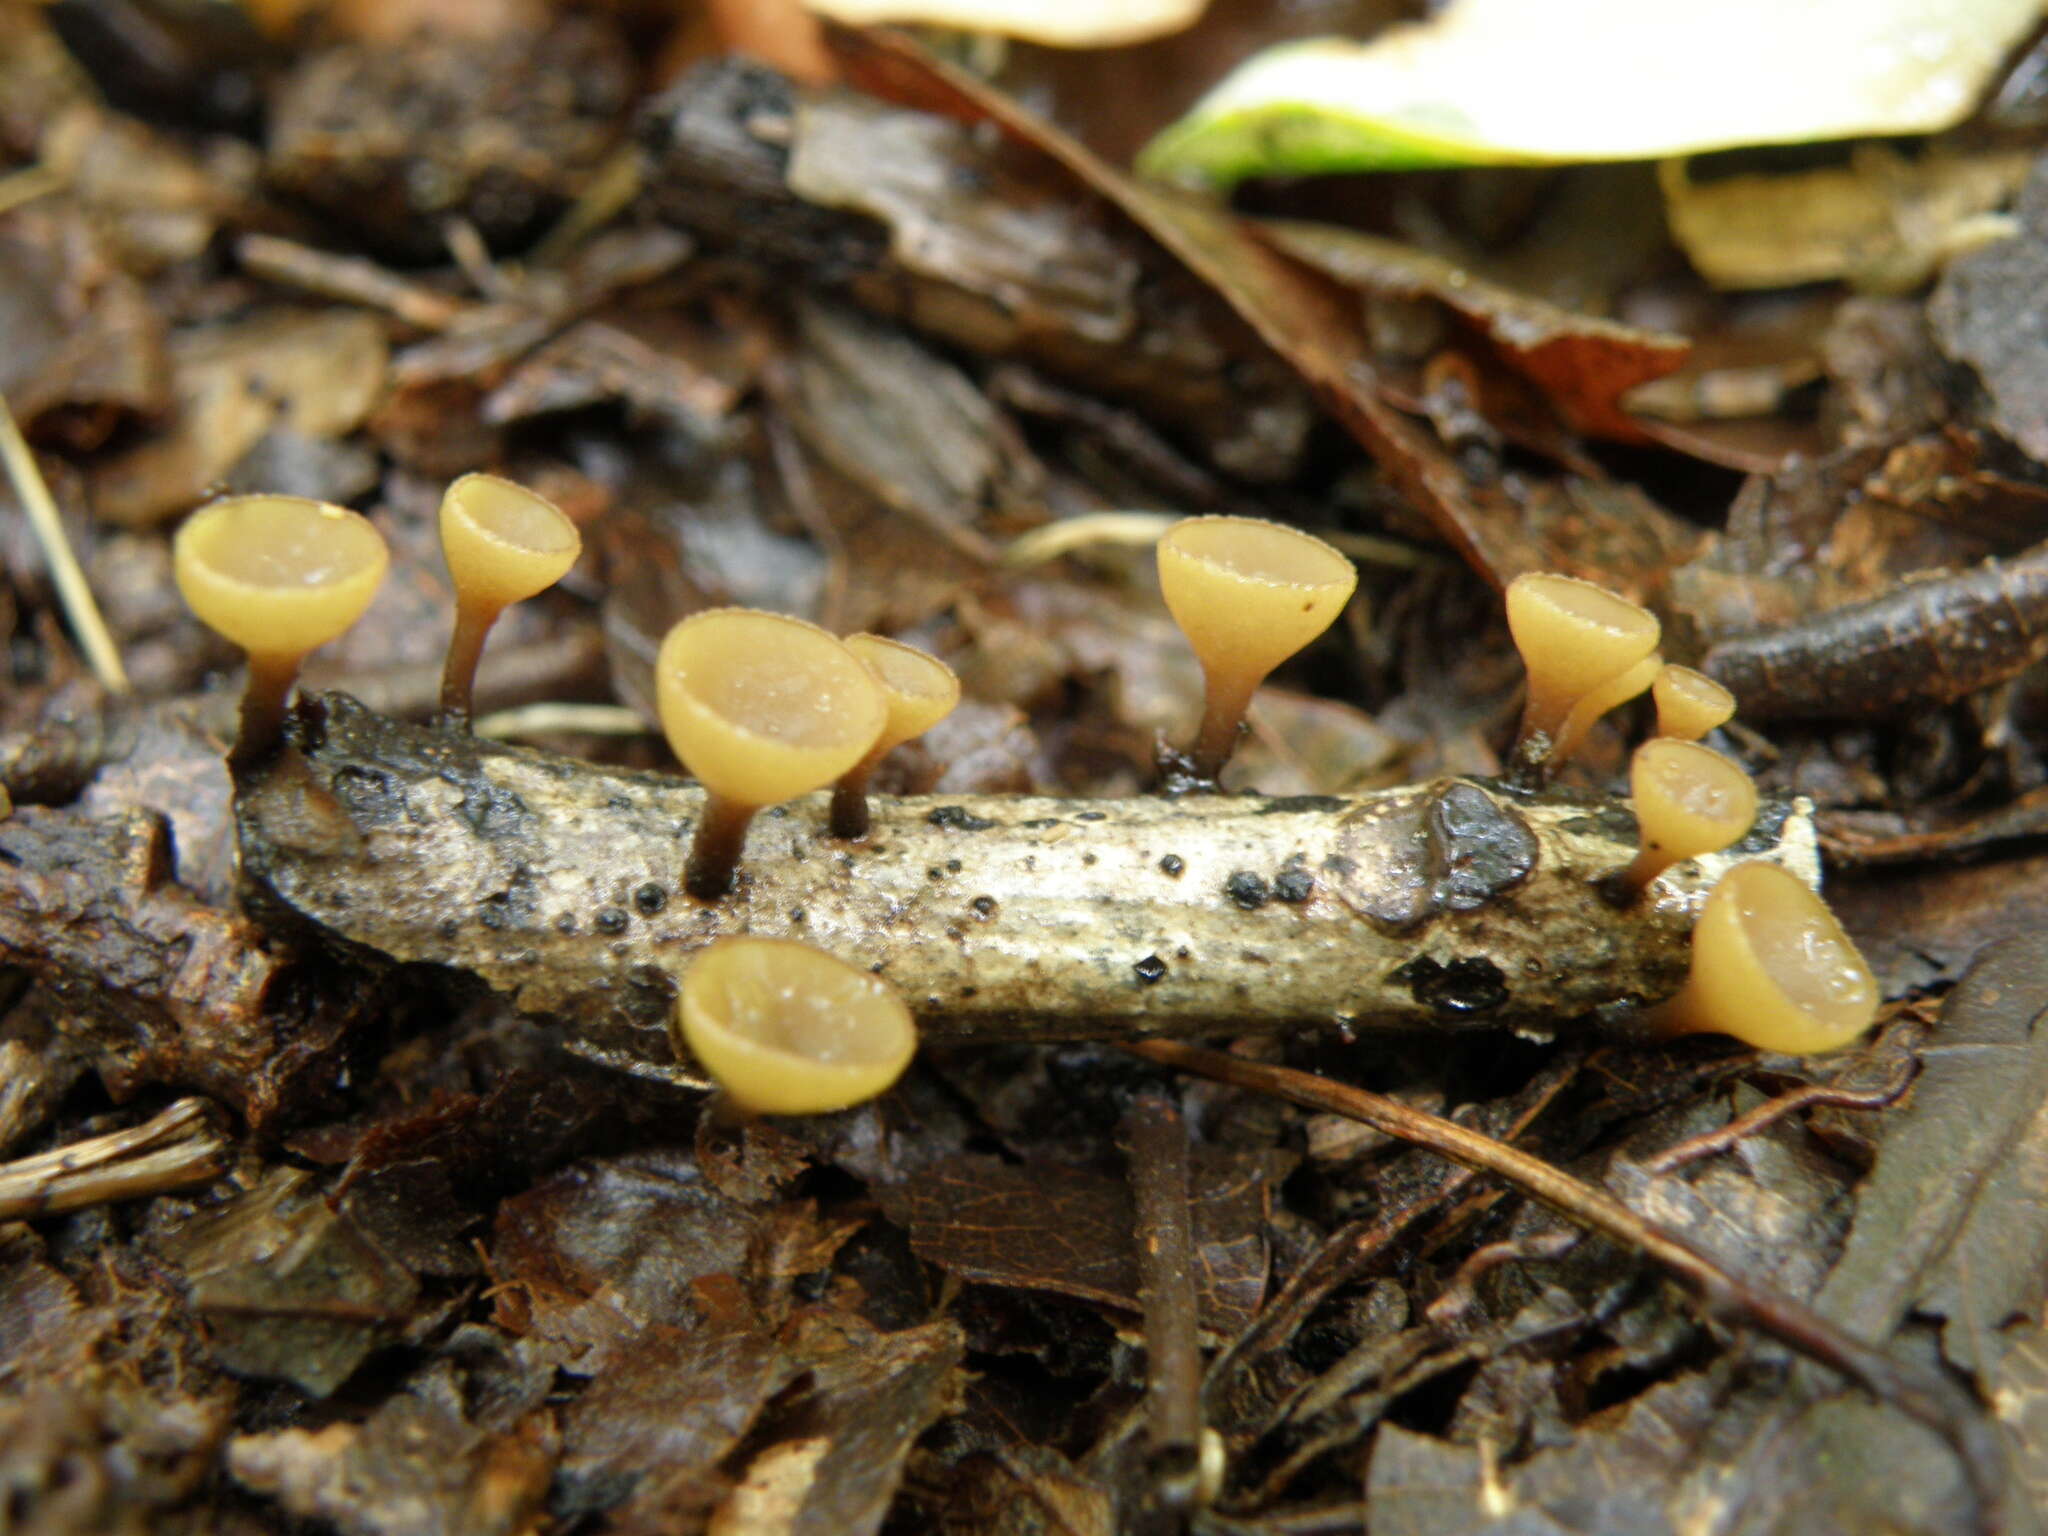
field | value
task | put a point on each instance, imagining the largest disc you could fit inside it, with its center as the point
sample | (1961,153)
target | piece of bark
(160,988)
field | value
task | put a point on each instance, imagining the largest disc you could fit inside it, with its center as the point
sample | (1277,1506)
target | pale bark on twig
(1450,904)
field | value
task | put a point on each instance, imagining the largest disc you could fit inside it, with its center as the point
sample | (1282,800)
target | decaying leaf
(1583,364)
(1950,1223)
(449,1453)
(968,1214)
(839,1450)
(290,1287)
(1492,81)
(1981,319)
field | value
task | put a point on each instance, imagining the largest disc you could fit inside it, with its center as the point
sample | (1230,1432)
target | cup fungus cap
(918,689)
(1690,704)
(1573,637)
(278,575)
(786,1029)
(1689,800)
(503,542)
(1247,593)
(1772,967)
(762,707)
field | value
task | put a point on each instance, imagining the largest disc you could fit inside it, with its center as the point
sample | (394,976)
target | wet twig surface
(1454,905)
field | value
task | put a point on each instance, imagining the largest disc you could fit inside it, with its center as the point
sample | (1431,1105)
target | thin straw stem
(101,654)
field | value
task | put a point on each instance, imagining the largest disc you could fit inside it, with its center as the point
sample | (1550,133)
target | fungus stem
(1223,713)
(263,708)
(850,817)
(473,624)
(715,849)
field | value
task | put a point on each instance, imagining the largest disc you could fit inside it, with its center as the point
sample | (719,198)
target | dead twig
(181,1147)
(1904,1066)
(1462,1293)
(1919,1395)
(1166,1287)
(1445,905)
(353,278)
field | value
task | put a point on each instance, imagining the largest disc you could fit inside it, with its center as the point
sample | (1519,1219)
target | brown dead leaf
(1067,1230)
(434,1457)
(1938,1226)
(1583,364)
(289,1287)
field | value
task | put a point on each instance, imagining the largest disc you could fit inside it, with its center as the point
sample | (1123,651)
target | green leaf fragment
(1508,82)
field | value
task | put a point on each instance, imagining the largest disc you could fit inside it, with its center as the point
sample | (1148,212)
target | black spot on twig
(1247,890)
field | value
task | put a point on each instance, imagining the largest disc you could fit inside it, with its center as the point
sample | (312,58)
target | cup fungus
(1609,695)
(1690,704)
(503,544)
(786,1029)
(1772,967)
(761,708)
(1689,800)
(1248,594)
(1573,637)
(919,690)
(279,576)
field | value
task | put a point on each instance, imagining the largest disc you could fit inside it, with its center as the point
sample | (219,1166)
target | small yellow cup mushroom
(1573,637)
(919,690)
(503,544)
(279,576)
(1609,695)
(1689,800)
(1772,967)
(1248,594)
(786,1029)
(1690,704)
(761,708)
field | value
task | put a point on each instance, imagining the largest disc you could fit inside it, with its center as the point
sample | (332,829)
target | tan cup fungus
(786,1029)
(1772,967)
(1690,704)
(1689,800)
(919,690)
(761,708)
(1609,695)
(1248,594)
(503,544)
(279,576)
(1573,637)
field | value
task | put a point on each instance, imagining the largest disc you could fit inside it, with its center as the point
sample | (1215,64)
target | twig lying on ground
(1453,904)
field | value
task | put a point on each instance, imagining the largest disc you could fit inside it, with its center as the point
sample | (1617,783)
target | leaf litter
(833,352)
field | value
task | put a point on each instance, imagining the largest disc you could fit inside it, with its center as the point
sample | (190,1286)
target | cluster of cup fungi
(763,708)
